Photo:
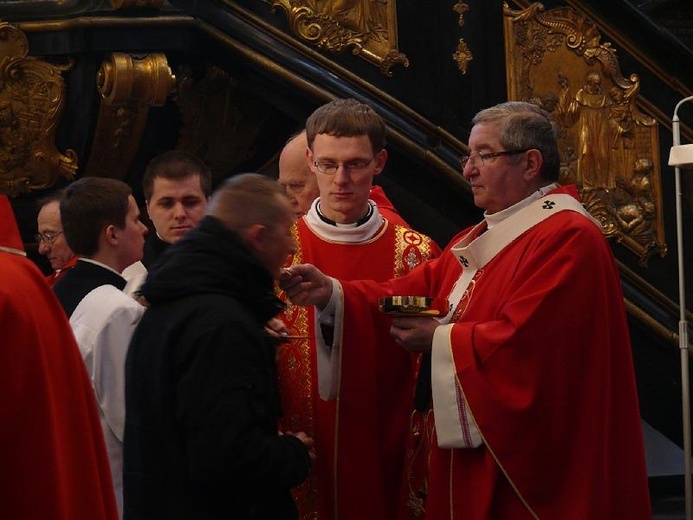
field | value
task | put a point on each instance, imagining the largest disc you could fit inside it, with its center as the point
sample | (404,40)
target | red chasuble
(360,437)
(52,453)
(540,351)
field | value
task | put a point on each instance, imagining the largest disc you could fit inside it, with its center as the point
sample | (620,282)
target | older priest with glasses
(534,396)
(51,239)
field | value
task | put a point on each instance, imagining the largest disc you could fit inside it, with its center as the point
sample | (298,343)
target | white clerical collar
(350,233)
(496,218)
(100,264)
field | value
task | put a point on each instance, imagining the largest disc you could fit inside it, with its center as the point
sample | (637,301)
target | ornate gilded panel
(609,148)
(367,27)
(32,99)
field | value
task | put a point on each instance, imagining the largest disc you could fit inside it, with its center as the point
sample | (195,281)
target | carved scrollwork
(366,27)
(609,148)
(129,85)
(32,99)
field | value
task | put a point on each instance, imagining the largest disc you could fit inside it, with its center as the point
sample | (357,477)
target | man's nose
(342,175)
(44,247)
(179,210)
(468,169)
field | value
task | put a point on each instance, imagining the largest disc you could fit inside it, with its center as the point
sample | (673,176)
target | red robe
(53,278)
(542,355)
(385,206)
(52,452)
(360,437)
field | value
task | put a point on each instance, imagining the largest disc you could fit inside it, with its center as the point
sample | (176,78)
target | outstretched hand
(305,284)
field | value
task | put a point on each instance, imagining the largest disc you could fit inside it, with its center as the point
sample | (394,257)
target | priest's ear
(533,164)
(380,159)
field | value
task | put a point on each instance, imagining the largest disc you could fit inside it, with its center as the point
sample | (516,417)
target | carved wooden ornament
(609,148)
(32,98)
(129,85)
(367,27)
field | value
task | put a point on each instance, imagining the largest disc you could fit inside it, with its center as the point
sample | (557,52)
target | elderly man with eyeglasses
(361,432)
(50,238)
(534,396)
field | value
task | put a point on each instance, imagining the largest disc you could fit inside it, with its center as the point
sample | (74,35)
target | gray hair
(526,126)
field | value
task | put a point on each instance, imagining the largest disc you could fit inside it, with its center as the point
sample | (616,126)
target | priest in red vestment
(52,451)
(361,432)
(534,396)
(51,239)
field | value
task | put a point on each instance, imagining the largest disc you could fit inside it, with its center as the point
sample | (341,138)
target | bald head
(295,175)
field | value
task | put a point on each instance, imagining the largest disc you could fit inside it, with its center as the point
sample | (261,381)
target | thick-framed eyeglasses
(477,159)
(48,238)
(330,168)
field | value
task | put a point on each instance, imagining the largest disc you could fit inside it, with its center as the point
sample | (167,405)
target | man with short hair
(101,223)
(51,239)
(176,186)
(534,396)
(53,244)
(347,236)
(201,437)
(301,184)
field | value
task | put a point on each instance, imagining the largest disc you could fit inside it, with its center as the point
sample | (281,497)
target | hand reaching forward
(305,284)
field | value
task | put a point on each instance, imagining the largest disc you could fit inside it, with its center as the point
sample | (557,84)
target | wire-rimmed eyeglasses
(330,168)
(476,159)
(48,238)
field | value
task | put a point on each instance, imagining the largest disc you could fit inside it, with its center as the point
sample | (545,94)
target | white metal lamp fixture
(681,156)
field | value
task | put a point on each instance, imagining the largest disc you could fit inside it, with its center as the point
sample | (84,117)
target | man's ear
(111,234)
(380,160)
(534,164)
(255,236)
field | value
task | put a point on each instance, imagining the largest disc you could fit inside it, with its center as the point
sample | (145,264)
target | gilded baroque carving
(367,27)
(129,85)
(32,99)
(462,55)
(609,148)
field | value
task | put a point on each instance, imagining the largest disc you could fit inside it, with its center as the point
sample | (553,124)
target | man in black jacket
(201,439)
